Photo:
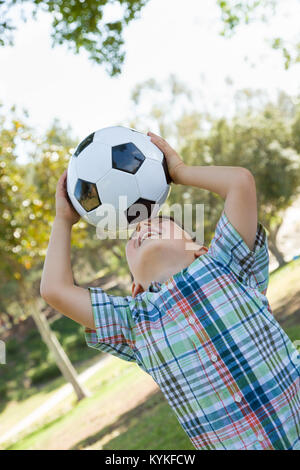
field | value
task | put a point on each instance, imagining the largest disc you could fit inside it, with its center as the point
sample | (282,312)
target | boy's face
(154,243)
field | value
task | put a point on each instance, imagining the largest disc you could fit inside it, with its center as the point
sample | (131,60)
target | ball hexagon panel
(118,183)
(151,179)
(114,135)
(93,216)
(94,162)
(140,210)
(71,176)
(87,141)
(163,197)
(87,195)
(127,157)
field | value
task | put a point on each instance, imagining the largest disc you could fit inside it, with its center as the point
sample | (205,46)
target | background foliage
(263,138)
(97,26)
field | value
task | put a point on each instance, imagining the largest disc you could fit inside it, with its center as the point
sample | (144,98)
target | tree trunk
(275,251)
(61,359)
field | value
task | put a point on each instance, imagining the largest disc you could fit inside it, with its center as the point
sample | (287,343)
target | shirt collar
(154,286)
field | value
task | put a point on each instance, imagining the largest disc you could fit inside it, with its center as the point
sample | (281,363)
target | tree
(82,24)
(27,195)
(234,13)
(296,131)
(23,233)
(263,137)
(262,141)
(79,24)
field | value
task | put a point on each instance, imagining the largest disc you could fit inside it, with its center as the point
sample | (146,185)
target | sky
(170,37)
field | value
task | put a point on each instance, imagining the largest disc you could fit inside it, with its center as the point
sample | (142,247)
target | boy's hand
(174,162)
(64,208)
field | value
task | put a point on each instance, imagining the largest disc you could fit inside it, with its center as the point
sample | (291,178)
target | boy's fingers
(159,141)
(64,175)
(155,136)
(61,185)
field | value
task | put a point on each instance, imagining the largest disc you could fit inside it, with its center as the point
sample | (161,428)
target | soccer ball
(112,162)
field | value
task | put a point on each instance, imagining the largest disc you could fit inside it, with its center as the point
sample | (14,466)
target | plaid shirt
(208,338)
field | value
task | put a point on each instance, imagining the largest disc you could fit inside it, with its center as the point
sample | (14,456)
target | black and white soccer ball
(112,162)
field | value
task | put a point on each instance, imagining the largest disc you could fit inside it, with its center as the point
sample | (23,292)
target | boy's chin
(152,251)
(159,250)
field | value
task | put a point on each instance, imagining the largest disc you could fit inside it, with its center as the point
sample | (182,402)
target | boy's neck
(163,273)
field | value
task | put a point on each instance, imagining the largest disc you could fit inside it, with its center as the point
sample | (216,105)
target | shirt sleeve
(114,331)
(229,248)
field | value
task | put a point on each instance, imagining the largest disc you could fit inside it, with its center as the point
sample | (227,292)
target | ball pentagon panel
(87,195)
(127,157)
(83,144)
(140,210)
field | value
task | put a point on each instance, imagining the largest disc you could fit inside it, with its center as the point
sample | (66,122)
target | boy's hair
(169,217)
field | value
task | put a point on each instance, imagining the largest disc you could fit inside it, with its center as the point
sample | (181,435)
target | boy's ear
(201,250)
(136,289)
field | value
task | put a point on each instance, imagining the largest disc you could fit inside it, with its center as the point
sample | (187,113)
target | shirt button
(192,320)
(260,437)
(213,358)
(237,398)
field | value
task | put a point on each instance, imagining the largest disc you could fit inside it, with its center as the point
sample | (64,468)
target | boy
(198,320)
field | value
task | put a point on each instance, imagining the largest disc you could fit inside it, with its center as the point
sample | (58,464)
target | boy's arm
(57,285)
(235,185)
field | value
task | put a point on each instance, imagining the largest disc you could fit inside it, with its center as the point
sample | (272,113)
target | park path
(59,396)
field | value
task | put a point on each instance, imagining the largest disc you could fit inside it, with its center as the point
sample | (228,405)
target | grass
(26,384)
(147,422)
(98,385)
(21,379)
(284,282)
(150,425)
(16,410)
(293,332)
(284,294)
(98,423)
